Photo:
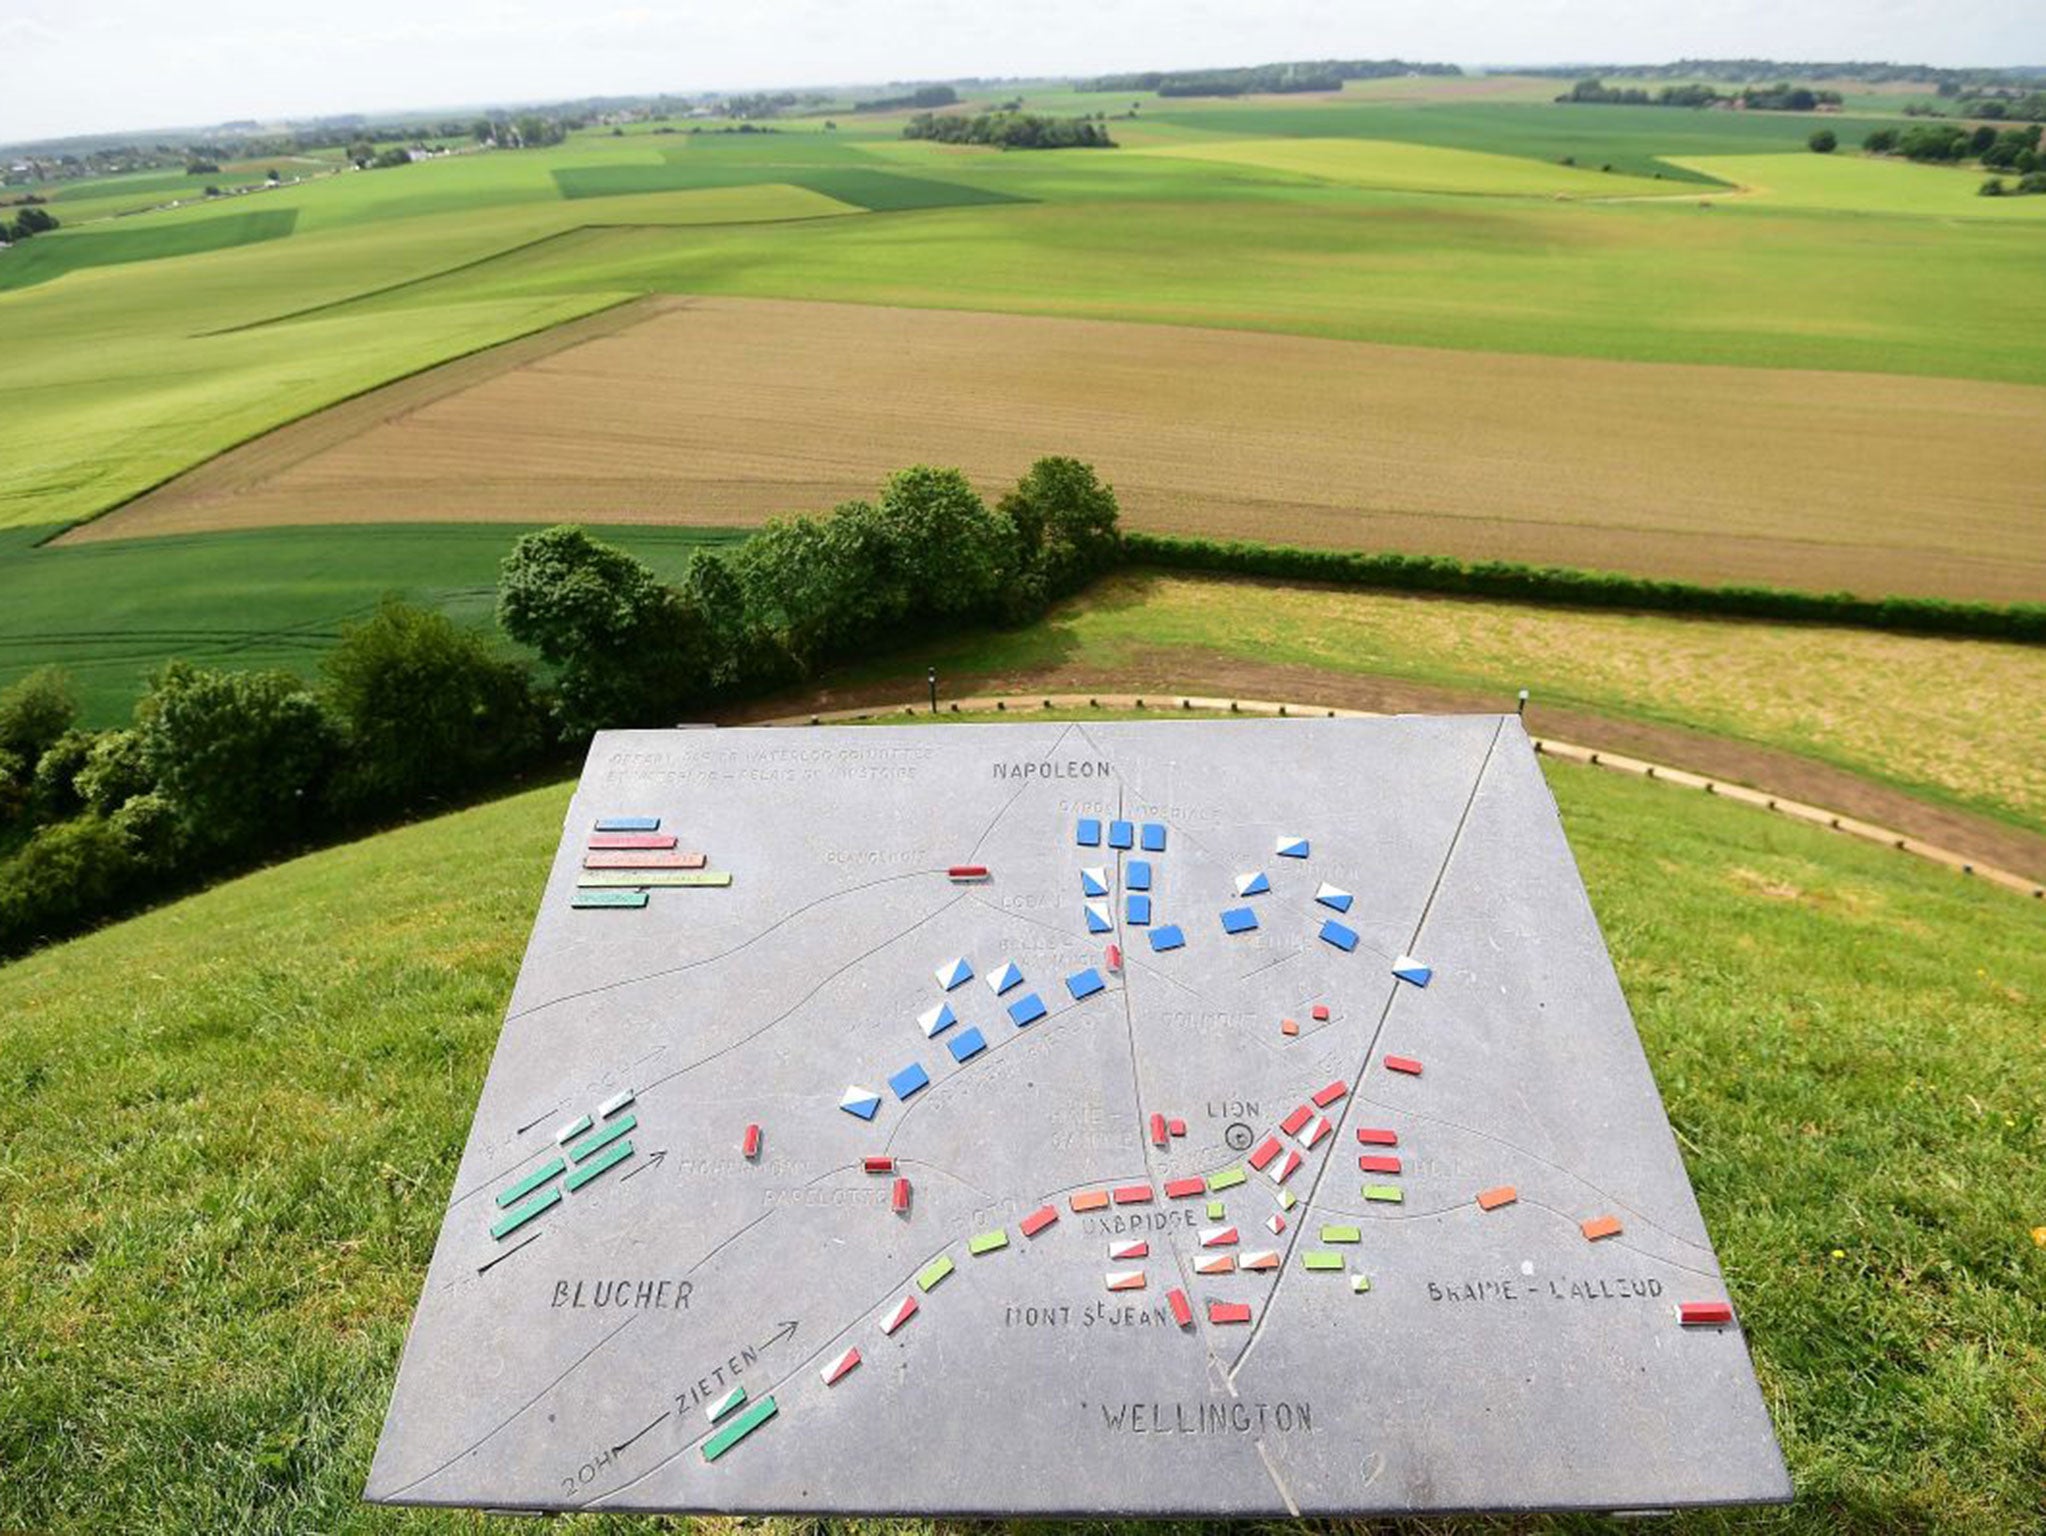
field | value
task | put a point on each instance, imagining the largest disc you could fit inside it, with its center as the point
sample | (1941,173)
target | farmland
(1441,220)
(235,1122)
(1798,479)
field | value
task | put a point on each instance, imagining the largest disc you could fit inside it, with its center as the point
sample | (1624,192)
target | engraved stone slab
(1145,1338)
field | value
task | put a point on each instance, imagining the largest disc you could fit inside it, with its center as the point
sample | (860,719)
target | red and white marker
(905,1309)
(1277,1224)
(1126,1280)
(1264,1258)
(1281,1172)
(840,1368)
(1122,1253)
(1313,1138)
(751,1145)
(1220,1264)
(1218,1237)
(1182,1309)
(1705,1314)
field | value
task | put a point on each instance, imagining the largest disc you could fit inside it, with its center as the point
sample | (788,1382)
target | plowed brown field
(718,410)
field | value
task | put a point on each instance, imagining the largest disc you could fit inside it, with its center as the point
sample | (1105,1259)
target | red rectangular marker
(898,1199)
(1264,1152)
(1228,1311)
(1378,1164)
(1377,1136)
(1405,1064)
(1321,1013)
(1176,1127)
(1133,1194)
(1705,1314)
(967,872)
(1292,1123)
(1039,1219)
(1158,1132)
(751,1145)
(1183,1189)
(1182,1310)
(878,1164)
(1114,957)
(618,858)
(1331,1093)
(631,840)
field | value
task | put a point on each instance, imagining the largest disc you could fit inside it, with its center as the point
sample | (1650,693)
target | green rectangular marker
(987,1242)
(609,899)
(519,1215)
(1390,1193)
(1341,1235)
(532,1181)
(1216,1210)
(727,1405)
(1228,1178)
(738,1429)
(600,879)
(933,1272)
(587,1148)
(619,1152)
(1322,1258)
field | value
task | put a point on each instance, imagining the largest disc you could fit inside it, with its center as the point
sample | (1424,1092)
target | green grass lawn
(233,1122)
(277,597)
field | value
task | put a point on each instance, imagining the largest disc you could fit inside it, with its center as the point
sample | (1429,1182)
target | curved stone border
(1797,810)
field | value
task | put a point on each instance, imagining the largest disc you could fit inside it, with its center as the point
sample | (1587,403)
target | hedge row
(1565,586)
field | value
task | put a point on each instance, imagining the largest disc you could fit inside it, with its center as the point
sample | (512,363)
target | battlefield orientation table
(1191,1117)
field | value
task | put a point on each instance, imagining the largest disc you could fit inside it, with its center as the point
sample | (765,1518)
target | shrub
(1065,522)
(35,711)
(1824,142)
(1991,188)
(115,770)
(56,775)
(424,708)
(241,758)
(63,876)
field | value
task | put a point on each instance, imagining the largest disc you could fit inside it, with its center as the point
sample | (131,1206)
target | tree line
(1010,130)
(1264,79)
(1780,97)
(218,770)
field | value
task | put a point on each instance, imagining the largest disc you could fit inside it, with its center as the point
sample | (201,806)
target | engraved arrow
(653,1160)
(623,1444)
(785,1331)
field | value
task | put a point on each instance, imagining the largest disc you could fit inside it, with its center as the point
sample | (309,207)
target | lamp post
(1522,711)
(934,689)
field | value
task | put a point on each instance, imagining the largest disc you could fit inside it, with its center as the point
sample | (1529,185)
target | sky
(92,66)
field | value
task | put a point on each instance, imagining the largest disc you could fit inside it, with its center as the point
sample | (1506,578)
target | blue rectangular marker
(628,823)
(1137,874)
(1027,1010)
(1154,837)
(909,1080)
(1089,835)
(1168,937)
(1085,983)
(1333,932)
(1138,911)
(966,1045)
(1121,834)
(1238,920)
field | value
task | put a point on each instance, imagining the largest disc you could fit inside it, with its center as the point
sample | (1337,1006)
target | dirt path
(1166,674)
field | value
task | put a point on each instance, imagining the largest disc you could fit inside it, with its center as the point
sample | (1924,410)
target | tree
(361,152)
(35,711)
(950,554)
(1065,522)
(115,772)
(1824,142)
(241,758)
(629,651)
(1881,142)
(56,775)
(425,709)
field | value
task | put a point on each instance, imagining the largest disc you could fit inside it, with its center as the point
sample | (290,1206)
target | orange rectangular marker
(1601,1226)
(1089,1200)
(1492,1199)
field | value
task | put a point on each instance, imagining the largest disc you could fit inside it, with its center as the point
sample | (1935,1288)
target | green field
(233,1124)
(108,613)
(1347,216)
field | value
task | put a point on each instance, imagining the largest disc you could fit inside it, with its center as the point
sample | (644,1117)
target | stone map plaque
(1190,1117)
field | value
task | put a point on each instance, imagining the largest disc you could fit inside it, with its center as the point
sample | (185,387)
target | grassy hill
(232,1123)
